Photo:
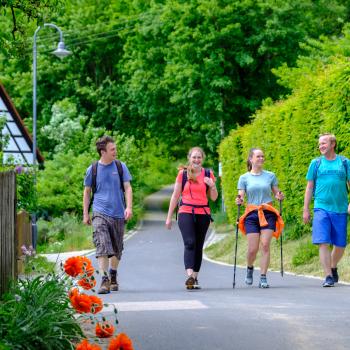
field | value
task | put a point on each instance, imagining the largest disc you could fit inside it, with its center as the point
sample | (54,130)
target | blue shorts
(329,227)
(251,222)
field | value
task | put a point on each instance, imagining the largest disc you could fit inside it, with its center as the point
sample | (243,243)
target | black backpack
(94,166)
(184,180)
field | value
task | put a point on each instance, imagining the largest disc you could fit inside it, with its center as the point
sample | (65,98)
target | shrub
(62,234)
(288,130)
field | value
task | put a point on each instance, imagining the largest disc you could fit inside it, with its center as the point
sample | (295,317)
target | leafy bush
(63,234)
(304,253)
(288,130)
(36,314)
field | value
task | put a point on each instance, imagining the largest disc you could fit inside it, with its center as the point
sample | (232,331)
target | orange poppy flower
(73,266)
(88,269)
(80,301)
(87,282)
(120,342)
(96,304)
(104,329)
(85,345)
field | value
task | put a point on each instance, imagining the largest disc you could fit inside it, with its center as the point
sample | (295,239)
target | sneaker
(263,282)
(335,275)
(190,282)
(105,286)
(114,287)
(328,282)
(196,284)
(249,276)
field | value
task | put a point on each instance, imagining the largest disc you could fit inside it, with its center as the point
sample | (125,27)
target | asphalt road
(156,311)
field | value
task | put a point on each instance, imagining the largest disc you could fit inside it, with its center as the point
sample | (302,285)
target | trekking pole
(281,240)
(235,264)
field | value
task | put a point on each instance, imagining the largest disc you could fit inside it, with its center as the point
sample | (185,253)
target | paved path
(158,313)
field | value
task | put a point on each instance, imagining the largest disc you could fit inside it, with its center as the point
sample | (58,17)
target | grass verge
(299,256)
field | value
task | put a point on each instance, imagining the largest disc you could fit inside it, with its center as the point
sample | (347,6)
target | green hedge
(288,130)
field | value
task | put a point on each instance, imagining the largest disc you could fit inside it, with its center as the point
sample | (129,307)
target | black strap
(184,180)
(94,166)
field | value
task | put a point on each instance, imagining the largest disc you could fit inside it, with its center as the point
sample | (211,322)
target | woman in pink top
(194,213)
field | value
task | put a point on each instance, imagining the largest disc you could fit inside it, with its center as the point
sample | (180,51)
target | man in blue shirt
(327,180)
(109,211)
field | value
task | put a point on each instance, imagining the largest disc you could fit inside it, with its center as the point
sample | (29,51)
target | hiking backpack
(317,165)
(184,180)
(94,166)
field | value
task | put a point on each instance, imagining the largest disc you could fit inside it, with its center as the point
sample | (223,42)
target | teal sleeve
(310,172)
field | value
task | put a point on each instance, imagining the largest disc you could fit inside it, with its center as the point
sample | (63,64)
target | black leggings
(193,234)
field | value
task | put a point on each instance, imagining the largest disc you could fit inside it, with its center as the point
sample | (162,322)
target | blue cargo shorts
(329,228)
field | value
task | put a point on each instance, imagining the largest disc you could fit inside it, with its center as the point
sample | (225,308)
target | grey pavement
(156,311)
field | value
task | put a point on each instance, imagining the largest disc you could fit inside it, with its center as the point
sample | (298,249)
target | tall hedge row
(288,130)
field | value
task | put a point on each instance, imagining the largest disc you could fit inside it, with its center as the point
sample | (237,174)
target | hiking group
(108,190)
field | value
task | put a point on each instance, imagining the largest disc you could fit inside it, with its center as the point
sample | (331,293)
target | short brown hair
(331,137)
(102,142)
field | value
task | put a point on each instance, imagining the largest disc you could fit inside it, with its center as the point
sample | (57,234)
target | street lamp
(60,52)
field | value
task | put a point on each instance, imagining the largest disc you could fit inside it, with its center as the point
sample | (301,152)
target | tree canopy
(183,72)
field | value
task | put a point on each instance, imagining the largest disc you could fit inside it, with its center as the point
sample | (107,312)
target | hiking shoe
(249,276)
(190,282)
(105,286)
(328,282)
(114,287)
(335,275)
(196,284)
(263,282)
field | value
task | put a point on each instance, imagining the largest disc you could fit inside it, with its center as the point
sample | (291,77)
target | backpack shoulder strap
(207,174)
(184,179)
(344,161)
(94,166)
(120,172)
(317,165)
(93,182)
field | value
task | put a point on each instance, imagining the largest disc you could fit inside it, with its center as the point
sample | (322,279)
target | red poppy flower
(73,266)
(87,282)
(88,269)
(104,329)
(120,342)
(96,304)
(80,301)
(85,345)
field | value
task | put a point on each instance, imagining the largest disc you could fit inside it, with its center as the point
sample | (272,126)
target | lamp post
(60,52)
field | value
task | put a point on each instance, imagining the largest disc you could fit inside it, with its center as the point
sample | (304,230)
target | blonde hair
(190,171)
(331,137)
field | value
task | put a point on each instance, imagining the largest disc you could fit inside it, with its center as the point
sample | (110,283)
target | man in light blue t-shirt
(109,210)
(327,180)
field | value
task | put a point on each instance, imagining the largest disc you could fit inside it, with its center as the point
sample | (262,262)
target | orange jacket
(262,219)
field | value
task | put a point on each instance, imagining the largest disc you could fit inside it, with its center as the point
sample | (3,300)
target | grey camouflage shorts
(108,235)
